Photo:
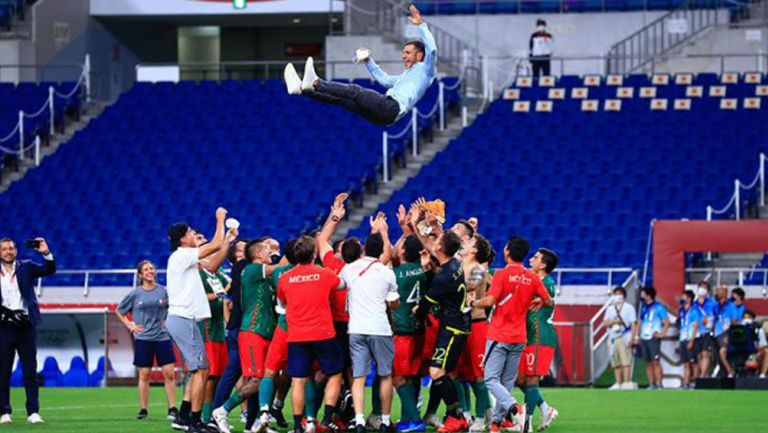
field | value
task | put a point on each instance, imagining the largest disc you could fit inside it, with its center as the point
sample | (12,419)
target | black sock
(297,422)
(253,411)
(184,411)
(194,417)
(434,399)
(447,392)
(329,410)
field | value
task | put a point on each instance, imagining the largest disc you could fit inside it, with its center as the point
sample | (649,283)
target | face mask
(617,299)
(702,291)
(747,321)
(540,28)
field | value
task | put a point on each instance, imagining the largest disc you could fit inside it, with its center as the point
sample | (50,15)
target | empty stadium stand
(169,152)
(583,164)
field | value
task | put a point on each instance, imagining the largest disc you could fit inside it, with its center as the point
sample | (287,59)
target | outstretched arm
(430,47)
(380,76)
(334,218)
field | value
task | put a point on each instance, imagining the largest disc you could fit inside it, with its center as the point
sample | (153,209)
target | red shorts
(472,359)
(217,357)
(277,355)
(536,360)
(430,340)
(253,352)
(408,354)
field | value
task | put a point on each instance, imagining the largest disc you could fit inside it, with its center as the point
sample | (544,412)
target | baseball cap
(176,232)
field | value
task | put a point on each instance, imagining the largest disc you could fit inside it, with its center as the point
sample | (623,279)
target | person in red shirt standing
(512,293)
(305,292)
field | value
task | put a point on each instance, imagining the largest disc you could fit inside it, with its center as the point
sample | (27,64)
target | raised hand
(221,214)
(402,216)
(415,17)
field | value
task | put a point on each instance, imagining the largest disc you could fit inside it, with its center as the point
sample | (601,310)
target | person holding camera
(19,319)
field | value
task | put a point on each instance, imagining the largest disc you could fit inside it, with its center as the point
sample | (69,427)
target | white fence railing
(735,200)
(49,106)
(743,276)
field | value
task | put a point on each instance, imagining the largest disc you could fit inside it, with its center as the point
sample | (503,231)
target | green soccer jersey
(541,331)
(411,282)
(258,301)
(214,329)
(276,274)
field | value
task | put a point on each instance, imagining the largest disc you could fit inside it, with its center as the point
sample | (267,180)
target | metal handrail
(564,6)
(654,40)
(758,182)
(718,272)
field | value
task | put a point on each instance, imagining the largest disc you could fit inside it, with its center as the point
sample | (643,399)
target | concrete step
(56,140)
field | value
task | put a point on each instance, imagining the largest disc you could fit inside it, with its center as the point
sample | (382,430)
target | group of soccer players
(447,315)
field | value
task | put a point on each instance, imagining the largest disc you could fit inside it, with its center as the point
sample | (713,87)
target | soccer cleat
(615,387)
(359,428)
(292,80)
(628,386)
(433,420)
(386,428)
(172,414)
(221,419)
(35,418)
(411,426)
(308,82)
(278,418)
(373,422)
(495,427)
(508,425)
(309,426)
(452,425)
(142,414)
(6,419)
(477,426)
(547,418)
(336,424)
(262,424)
(180,424)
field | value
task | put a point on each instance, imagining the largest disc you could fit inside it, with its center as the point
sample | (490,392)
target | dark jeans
(541,67)
(232,373)
(373,106)
(23,341)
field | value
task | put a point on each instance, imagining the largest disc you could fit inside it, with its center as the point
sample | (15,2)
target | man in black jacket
(19,319)
(541,46)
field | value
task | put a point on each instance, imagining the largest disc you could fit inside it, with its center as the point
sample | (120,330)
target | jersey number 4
(415,296)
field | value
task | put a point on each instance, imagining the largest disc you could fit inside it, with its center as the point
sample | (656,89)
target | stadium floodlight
(240,4)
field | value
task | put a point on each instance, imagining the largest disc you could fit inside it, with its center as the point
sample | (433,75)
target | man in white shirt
(187,305)
(19,319)
(620,319)
(372,287)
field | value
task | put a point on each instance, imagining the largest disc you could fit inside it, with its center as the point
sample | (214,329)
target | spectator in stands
(689,331)
(707,307)
(541,46)
(734,311)
(654,323)
(621,321)
(148,306)
(19,319)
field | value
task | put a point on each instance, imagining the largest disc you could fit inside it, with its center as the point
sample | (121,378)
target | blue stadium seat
(77,376)
(51,373)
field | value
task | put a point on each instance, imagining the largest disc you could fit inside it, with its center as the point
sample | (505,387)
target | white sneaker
(310,428)
(615,387)
(520,417)
(6,419)
(434,421)
(547,418)
(308,82)
(221,418)
(292,80)
(35,418)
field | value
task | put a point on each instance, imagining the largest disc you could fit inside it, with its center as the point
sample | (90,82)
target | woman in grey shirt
(148,306)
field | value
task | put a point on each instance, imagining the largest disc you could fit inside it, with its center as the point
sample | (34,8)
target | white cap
(232,223)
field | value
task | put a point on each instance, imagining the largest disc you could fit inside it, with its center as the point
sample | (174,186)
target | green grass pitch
(581,410)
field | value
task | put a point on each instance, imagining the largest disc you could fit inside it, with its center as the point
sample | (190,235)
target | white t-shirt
(371,285)
(186,294)
(628,316)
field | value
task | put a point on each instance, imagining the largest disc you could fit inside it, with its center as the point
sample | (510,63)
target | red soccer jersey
(306,291)
(338,297)
(514,288)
